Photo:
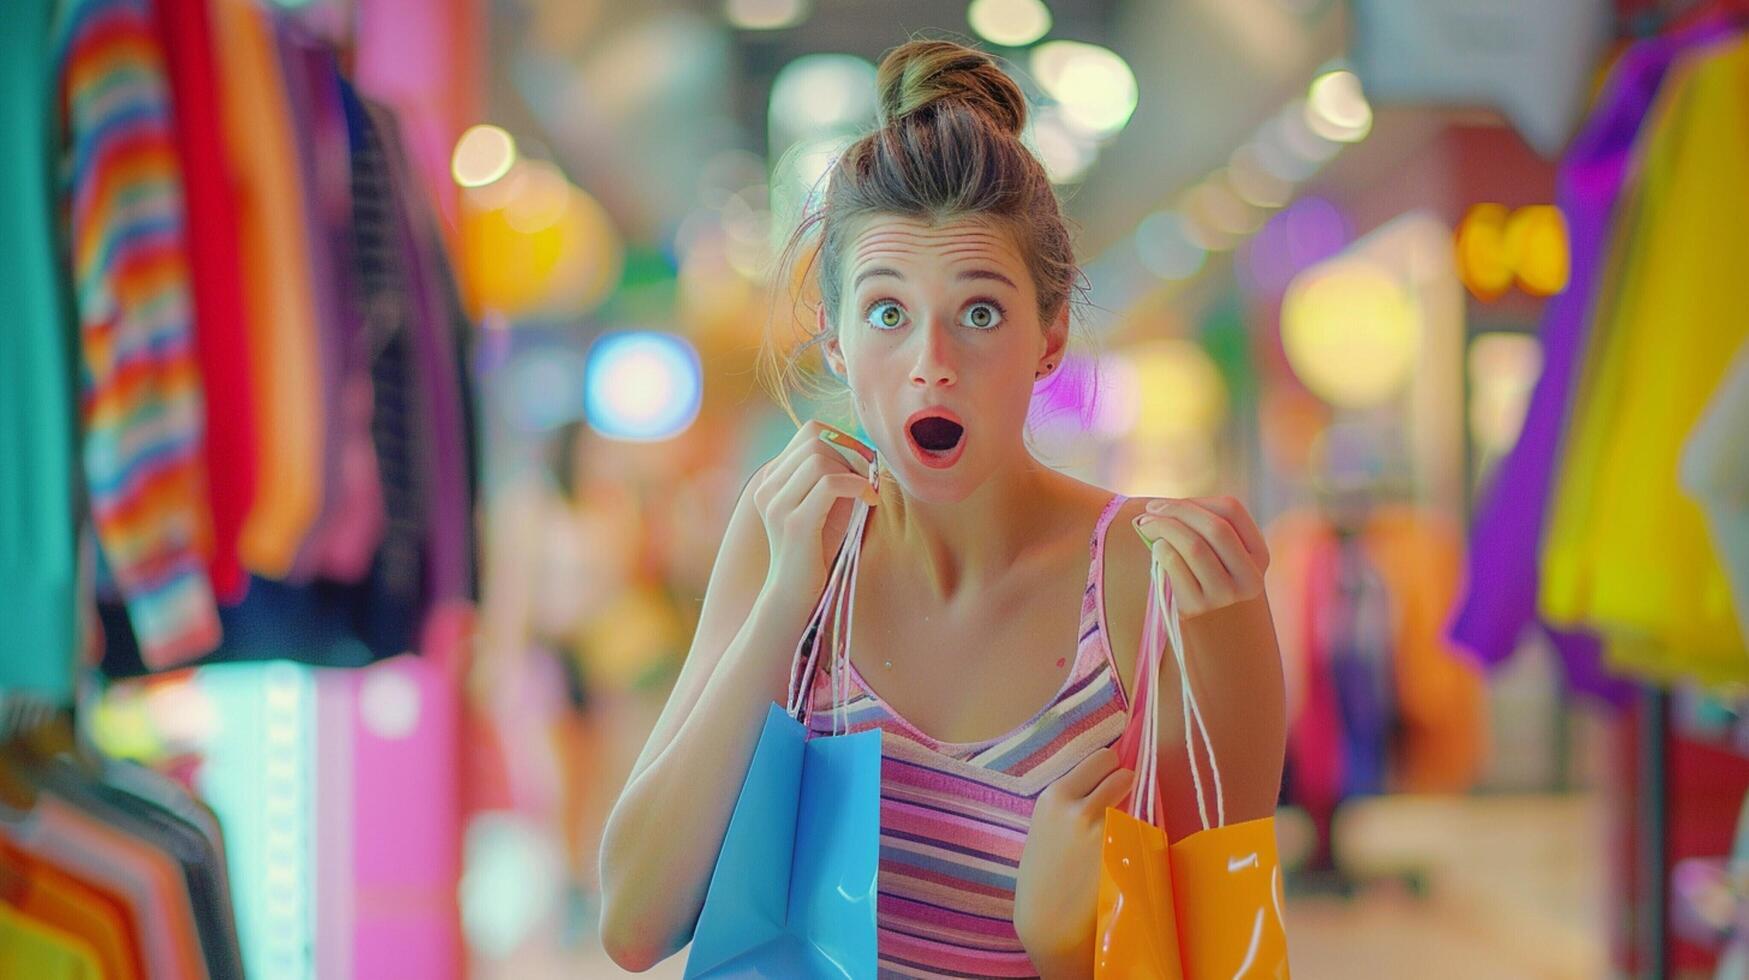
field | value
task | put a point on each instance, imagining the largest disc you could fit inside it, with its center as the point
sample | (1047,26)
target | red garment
(220,332)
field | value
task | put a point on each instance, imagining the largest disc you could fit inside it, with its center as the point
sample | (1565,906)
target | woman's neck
(968,544)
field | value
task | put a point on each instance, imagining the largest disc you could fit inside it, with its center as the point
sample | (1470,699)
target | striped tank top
(954,815)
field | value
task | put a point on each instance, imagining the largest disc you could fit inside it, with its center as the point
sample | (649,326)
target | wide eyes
(983,314)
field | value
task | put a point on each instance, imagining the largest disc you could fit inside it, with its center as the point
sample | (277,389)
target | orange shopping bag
(1208,906)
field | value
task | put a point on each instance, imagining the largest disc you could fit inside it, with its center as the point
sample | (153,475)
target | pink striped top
(954,815)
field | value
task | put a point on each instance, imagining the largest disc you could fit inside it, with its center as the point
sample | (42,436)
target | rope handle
(839,595)
(1162,615)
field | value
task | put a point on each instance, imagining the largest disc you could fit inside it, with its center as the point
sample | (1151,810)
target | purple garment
(443,442)
(344,540)
(1501,599)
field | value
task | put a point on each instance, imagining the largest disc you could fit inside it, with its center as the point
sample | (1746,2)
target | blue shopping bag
(793,891)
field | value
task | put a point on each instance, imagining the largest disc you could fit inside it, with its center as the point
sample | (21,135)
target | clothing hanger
(18,715)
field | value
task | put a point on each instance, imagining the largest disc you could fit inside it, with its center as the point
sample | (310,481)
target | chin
(933,486)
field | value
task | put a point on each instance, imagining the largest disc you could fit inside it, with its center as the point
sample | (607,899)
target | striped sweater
(139,393)
(955,815)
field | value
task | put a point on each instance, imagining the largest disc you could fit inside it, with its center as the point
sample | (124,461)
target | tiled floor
(1516,892)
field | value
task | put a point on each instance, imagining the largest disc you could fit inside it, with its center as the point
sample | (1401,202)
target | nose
(937,361)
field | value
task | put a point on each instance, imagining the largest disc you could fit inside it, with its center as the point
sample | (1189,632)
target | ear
(829,349)
(1056,342)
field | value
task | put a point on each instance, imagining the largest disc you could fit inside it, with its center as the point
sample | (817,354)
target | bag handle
(1162,616)
(839,595)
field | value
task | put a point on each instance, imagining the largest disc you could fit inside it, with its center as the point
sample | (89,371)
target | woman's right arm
(661,841)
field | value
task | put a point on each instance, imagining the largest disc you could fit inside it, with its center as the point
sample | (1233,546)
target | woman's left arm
(1215,557)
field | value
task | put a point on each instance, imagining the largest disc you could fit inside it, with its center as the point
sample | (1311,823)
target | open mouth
(937,434)
(937,438)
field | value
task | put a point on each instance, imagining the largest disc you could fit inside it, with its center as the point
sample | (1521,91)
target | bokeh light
(765,15)
(1351,331)
(1336,108)
(1010,23)
(1503,370)
(819,95)
(1165,246)
(484,154)
(1065,150)
(535,243)
(1536,242)
(1308,232)
(1483,262)
(1094,86)
(641,386)
(1181,393)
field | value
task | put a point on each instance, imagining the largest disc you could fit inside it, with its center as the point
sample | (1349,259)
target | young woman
(996,621)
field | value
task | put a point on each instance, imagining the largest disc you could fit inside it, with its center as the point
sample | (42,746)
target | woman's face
(941,321)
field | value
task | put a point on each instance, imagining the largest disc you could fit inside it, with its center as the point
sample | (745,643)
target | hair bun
(919,74)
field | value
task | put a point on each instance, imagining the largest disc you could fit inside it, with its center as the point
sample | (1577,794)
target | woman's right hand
(804,496)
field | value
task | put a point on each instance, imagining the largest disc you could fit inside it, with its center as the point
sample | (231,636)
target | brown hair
(948,147)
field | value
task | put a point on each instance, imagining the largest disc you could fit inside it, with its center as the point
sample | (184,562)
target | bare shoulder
(1126,590)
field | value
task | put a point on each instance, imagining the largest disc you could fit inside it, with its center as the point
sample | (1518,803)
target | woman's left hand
(1210,548)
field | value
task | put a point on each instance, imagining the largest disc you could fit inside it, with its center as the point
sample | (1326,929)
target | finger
(783,467)
(1211,575)
(1234,511)
(1185,586)
(1220,534)
(813,469)
(1211,527)
(1111,790)
(852,458)
(828,491)
(1079,781)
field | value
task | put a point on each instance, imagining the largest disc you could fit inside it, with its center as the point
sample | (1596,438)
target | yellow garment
(1627,552)
(29,948)
(284,372)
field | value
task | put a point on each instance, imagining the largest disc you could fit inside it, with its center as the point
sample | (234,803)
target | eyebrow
(968,274)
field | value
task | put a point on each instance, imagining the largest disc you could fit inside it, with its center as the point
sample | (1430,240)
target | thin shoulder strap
(1097,547)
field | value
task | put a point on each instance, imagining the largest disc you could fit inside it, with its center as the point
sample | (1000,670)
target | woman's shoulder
(1125,589)
(1126,576)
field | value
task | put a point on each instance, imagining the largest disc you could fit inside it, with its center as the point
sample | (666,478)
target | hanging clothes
(140,392)
(1436,697)
(1715,472)
(285,372)
(1626,552)
(440,341)
(344,541)
(115,855)
(1302,589)
(36,398)
(400,516)
(1442,698)
(35,949)
(1358,638)
(46,894)
(220,327)
(1500,595)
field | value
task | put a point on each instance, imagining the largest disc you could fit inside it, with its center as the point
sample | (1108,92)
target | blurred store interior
(382,374)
